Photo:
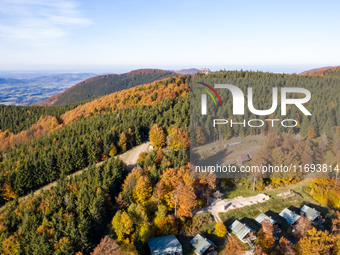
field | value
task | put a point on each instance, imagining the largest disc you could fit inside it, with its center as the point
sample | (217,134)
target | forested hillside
(18,118)
(71,217)
(240,74)
(105,85)
(87,141)
(116,125)
(149,94)
(323,71)
(66,219)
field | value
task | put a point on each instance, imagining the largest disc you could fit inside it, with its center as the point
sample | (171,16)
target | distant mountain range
(321,71)
(33,90)
(57,89)
(106,84)
(54,78)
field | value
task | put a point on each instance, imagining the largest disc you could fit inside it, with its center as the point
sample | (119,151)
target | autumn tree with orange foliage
(233,247)
(179,190)
(206,185)
(157,136)
(200,137)
(126,196)
(311,132)
(107,246)
(285,247)
(265,236)
(259,250)
(303,225)
(325,191)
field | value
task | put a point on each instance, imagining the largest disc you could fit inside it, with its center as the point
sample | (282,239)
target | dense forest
(82,143)
(105,85)
(86,135)
(241,74)
(19,118)
(89,135)
(65,219)
(149,94)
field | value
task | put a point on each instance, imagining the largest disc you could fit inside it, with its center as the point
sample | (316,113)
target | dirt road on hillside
(130,158)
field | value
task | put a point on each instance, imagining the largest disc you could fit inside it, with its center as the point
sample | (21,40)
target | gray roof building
(290,216)
(165,245)
(310,212)
(240,229)
(201,244)
(263,217)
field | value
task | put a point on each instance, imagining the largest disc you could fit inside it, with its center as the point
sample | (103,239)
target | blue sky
(117,36)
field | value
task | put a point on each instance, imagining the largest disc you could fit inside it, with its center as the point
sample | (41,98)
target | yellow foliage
(10,246)
(143,190)
(122,225)
(179,138)
(220,229)
(157,136)
(7,192)
(122,142)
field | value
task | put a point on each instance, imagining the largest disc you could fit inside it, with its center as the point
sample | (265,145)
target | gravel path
(220,205)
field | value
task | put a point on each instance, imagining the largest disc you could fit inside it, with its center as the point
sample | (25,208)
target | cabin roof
(310,212)
(159,245)
(262,217)
(240,229)
(290,216)
(201,244)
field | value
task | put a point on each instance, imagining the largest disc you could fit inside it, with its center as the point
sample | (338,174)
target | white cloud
(34,19)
